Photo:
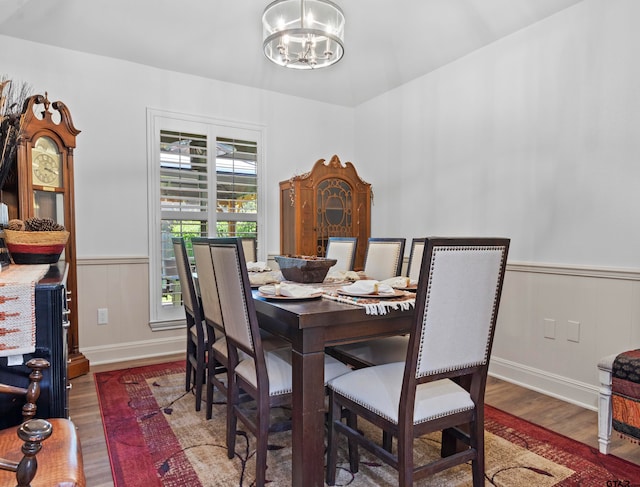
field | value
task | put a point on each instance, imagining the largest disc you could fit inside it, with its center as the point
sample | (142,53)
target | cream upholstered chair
(343,249)
(384,258)
(380,351)
(415,258)
(250,249)
(217,356)
(264,375)
(217,350)
(441,384)
(196,338)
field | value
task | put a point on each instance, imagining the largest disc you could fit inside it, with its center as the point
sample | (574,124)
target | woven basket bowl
(35,247)
(300,269)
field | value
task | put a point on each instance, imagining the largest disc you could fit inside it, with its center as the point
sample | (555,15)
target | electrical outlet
(103,316)
(573,331)
(549,329)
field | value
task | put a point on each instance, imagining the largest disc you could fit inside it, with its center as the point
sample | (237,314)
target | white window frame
(158,120)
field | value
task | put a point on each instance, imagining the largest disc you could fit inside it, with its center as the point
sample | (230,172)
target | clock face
(46,164)
(46,169)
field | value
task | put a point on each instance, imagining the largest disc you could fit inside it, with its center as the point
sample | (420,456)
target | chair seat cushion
(280,371)
(194,334)
(378,389)
(269,344)
(379,350)
(220,346)
(59,461)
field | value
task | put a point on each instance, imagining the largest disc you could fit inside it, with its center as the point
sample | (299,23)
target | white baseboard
(563,388)
(134,350)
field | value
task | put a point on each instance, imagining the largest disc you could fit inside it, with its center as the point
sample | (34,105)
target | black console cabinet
(52,322)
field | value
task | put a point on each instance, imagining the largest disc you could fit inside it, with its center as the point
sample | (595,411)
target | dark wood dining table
(310,326)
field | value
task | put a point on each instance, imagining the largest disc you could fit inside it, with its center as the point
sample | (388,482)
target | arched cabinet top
(334,168)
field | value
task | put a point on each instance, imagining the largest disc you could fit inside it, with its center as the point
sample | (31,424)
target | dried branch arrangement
(13,96)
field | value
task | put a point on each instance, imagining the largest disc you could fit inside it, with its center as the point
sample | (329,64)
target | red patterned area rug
(156,438)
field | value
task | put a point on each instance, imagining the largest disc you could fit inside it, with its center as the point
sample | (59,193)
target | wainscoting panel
(555,323)
(120,285)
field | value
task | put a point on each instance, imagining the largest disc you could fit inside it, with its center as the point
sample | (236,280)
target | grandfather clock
(44,189)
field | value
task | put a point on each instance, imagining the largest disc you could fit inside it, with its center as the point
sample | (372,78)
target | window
(204,181)
(236,188)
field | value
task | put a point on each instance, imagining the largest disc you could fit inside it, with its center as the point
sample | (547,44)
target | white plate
(396,293)
(413,288)
(288,298)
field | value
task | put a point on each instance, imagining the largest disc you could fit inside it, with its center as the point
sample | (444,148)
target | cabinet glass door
(333,211)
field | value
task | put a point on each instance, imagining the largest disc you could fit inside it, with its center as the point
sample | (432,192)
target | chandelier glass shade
(303,34)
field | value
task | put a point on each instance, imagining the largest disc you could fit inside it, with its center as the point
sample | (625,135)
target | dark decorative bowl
(303,268)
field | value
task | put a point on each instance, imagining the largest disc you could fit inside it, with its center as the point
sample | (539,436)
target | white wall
(534,137)
(108,99)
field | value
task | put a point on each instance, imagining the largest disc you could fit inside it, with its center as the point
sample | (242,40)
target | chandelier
(303,34)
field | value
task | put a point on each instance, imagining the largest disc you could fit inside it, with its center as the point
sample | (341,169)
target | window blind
(186,203)
(236,188)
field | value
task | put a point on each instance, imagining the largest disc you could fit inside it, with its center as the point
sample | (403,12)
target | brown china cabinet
(43,186)
(329,201)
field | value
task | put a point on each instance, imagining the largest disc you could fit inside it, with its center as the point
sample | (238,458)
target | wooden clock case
(41,118)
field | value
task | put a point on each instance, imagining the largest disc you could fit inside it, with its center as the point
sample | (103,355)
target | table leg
(308,420)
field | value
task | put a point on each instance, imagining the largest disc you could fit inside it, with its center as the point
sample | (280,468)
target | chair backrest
(343,249)
(384,258)
(457,304)
(189,297)
(250,250)
(415,258)
(236,300)
(208,286)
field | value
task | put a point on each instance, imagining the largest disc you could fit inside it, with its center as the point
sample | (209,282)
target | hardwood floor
(564,418)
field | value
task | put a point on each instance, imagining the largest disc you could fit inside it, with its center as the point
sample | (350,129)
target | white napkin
(338,275)
(289,290)
(400,281)
(368,286)
(257,267)
(259,278)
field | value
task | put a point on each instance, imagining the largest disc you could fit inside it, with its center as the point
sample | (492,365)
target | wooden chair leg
(387,441)
(188,372)
(199,379)
(211,366)
(332,437)
(405,461)
(232,423)
(477,443)
(449,443)
(262,445)
(354,454)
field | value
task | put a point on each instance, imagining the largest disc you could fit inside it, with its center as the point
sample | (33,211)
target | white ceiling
(387,42)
